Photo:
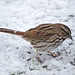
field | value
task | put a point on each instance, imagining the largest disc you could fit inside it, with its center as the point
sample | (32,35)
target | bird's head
(66,31)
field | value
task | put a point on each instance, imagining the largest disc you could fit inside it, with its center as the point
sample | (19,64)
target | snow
(17,56)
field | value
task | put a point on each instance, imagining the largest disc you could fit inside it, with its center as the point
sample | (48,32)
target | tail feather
(10,31)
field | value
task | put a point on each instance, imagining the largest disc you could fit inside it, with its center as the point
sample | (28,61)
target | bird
(44,37)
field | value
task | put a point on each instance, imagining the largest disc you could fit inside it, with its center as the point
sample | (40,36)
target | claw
(53,55)
(41,61)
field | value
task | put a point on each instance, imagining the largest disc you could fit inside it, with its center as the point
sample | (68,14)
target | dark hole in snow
(40,54)
(29,59)
(28,52)
(61,58)
(17,48)
(73,63)
(71,15)
(70,43)
(45,66)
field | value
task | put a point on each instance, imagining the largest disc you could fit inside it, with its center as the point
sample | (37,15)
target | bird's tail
(10,31)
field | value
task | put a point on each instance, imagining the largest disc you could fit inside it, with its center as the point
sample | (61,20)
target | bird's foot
(54,55)
(41,61)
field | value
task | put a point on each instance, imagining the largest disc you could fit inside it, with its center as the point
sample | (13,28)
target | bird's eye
(67,33)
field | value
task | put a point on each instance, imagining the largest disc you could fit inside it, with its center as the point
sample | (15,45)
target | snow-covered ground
(17,56)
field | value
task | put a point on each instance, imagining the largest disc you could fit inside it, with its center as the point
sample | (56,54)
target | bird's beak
(70,37)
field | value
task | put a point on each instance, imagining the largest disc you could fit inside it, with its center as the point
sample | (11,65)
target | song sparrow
(44,37)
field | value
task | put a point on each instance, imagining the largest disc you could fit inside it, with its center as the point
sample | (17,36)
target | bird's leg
(38,57)
(52,54)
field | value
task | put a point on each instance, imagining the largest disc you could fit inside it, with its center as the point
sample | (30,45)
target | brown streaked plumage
(44,37)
